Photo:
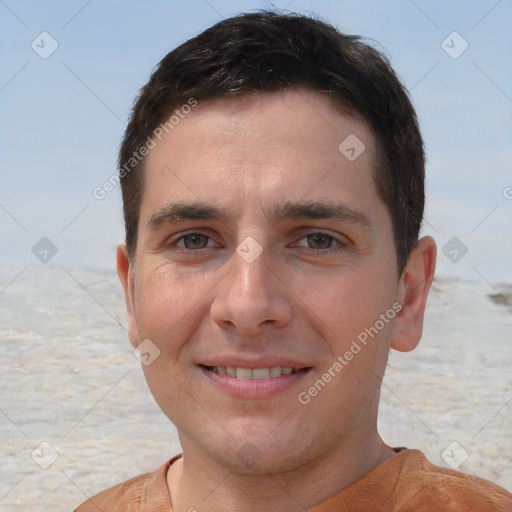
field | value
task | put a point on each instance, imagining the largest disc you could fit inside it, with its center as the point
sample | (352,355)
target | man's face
(262,246)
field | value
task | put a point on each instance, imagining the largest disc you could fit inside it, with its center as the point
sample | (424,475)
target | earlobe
(415,285)
(127,278)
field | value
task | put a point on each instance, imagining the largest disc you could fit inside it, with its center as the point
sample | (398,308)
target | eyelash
(338,247)
(182,238)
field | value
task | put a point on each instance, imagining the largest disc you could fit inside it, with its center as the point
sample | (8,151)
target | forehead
(257,147)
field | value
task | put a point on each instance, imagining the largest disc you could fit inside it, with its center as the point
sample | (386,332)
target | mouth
(253,373)
(254,383)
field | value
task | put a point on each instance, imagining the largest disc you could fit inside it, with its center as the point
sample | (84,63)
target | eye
(193,241)
(318,241)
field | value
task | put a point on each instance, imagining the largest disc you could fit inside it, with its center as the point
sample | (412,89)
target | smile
(254,383)
(253,373)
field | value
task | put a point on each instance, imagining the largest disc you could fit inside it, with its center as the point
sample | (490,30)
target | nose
(252,298)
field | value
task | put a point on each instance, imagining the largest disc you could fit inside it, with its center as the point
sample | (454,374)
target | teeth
(253,374)
(260,373)
(244,373)
(275,371)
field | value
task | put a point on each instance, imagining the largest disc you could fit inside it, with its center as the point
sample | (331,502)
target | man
(273,188)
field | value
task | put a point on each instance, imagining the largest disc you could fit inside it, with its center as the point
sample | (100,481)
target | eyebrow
(314,210)
(177,212)
(318,210)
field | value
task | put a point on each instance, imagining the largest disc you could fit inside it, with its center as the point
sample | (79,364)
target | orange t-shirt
(407,482)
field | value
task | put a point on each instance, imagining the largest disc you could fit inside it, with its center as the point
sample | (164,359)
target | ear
(415,285)
(126,274)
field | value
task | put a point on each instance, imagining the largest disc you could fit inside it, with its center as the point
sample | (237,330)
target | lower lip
(254,388)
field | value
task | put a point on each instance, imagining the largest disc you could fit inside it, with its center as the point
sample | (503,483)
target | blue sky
(62,117)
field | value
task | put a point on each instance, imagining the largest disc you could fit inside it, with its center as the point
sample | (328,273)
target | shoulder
(123,496)
(423,483)
(144,492)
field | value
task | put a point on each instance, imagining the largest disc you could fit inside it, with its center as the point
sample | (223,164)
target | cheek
(344,304)
(171,386)
(169,306)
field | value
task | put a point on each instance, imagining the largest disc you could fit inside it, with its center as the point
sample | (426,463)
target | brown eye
(194,241)
(320,241)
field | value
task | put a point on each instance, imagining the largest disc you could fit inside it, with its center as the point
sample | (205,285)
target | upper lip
(261,362)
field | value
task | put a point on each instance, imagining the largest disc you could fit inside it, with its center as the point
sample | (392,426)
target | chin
(250,460)
(253,453)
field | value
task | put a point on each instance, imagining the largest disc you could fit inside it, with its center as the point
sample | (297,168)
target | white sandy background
(69,380)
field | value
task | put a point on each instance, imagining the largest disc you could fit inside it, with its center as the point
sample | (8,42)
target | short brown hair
(270,51)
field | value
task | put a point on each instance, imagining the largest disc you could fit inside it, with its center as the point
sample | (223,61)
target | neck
(196,483)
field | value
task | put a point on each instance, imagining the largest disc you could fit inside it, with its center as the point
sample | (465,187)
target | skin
(307,296)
